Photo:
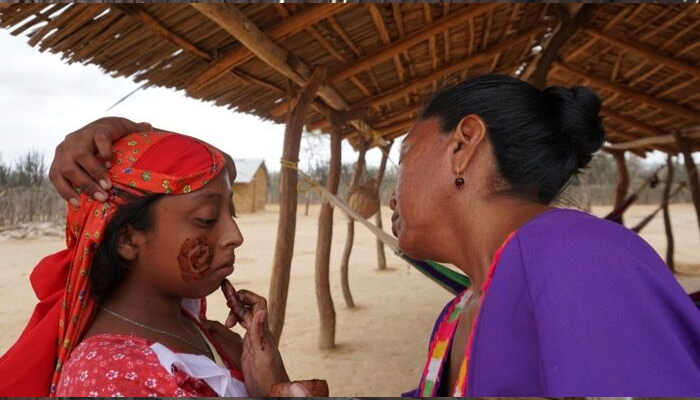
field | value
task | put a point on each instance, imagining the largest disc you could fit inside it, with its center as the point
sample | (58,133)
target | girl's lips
(225,271)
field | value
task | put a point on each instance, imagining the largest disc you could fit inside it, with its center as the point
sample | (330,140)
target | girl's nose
(232,236)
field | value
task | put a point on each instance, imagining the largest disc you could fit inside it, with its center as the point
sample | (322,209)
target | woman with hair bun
(562,303)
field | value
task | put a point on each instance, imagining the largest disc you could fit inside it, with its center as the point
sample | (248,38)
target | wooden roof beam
(244,30)
(398,47)
(631,122)
(384,35)
(651,141)
(137,12)
(287,27)
(646,52)
(568,27)
(669,107)
(452,67)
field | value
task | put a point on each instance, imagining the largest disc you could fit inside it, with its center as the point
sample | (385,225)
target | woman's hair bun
(578,110)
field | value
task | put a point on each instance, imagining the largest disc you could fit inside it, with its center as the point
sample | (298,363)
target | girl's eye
(206,222)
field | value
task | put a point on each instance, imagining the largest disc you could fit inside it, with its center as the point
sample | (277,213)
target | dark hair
(540,138)
(109,269)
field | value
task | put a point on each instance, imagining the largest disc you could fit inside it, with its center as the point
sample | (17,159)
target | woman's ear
(129,242)
(467,136)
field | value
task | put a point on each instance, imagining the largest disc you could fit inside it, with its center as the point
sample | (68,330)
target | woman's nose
(392,201)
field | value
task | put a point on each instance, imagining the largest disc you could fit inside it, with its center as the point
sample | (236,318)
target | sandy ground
(382,343)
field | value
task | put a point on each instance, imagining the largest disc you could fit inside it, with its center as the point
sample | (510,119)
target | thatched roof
(246,168)
(643,59)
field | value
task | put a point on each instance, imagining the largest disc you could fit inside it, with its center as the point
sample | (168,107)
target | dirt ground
(382,343)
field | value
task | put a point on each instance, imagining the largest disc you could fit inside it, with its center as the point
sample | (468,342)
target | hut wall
(243,198)
(259,190)
(252,196)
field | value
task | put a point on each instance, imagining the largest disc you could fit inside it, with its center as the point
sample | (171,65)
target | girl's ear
(129,243)
(467,136)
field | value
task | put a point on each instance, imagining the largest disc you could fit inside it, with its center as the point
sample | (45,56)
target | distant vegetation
(26,195)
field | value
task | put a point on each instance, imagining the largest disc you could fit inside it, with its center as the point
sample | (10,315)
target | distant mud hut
(250,186)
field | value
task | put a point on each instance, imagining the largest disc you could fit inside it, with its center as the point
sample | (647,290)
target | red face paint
(195,258)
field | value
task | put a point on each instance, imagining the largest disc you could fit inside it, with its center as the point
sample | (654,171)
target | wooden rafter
(651,141)
(584,47)
(409,41)
(137,12)
(287,27)
(326,45)
(631,123)
(569,26)
(455,66)
(378,21)
(672,108)
(647,52)
(238,25)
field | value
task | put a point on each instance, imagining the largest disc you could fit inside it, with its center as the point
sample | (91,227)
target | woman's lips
(394,223)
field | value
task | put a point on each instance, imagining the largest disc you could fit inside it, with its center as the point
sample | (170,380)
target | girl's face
(190,249)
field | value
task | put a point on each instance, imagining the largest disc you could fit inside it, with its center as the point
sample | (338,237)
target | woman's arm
(82,159)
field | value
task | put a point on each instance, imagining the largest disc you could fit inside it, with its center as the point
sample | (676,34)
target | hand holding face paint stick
(238,309)
(260,360)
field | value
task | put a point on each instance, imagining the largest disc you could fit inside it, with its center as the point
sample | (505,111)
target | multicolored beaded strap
(444,335)
(440,345)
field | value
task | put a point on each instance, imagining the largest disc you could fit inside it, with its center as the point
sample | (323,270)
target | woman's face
(423,189)
(190,249)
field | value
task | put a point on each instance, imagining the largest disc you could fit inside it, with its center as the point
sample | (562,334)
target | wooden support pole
(667,214)
(569,27)
(345,263)
(324,300)
(623,178)
(381,257)
(693,182)
(286,226)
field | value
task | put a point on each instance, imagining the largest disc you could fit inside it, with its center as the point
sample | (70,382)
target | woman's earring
(459,181)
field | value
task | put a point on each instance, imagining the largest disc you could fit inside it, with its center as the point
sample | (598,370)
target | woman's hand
(261,360)
(82,159)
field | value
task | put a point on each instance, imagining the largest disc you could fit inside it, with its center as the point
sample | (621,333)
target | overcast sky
(42,99)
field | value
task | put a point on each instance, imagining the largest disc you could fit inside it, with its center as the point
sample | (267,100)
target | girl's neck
(146,306)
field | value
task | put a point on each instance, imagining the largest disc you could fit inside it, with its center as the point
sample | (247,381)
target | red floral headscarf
(147,163)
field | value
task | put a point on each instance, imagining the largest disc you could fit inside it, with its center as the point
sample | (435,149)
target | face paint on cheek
(195,258)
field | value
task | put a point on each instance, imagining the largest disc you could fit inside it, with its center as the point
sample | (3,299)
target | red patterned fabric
(153,162)
(120,366)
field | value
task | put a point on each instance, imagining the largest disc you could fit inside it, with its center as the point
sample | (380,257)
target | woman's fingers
(103,144)
(75,160)
(97,172)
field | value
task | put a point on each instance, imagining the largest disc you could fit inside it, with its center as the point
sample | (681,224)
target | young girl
(122,309)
